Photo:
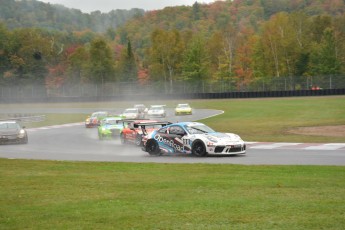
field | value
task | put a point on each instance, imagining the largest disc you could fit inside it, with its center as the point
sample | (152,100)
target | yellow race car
(183,109)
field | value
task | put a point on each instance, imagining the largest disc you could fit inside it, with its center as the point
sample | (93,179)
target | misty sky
(105,6)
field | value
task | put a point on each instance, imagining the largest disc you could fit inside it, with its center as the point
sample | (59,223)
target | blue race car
(192,137)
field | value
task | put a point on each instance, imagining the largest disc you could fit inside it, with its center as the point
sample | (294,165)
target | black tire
(138,140)
(25,140)
(199,149)
(152,148)
(122,139)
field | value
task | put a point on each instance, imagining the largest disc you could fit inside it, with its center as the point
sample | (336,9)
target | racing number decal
(186,142)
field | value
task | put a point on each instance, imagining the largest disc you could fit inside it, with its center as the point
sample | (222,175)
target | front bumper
(227,149)
(12,139)
(183,112)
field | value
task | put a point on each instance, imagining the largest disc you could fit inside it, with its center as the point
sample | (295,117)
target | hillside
(238,45)
(32,13)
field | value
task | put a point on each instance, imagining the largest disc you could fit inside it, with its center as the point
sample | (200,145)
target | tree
(324,56)
(101,66)
(195,64)
(127,64)
(28,53)
(165,54)
(78,63)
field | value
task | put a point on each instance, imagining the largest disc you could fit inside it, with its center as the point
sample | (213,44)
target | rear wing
(126,121)
(158,125)
(144,124)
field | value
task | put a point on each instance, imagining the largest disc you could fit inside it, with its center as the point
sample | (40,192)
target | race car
(192,137)
(109,127)
(132,113)
(11,131)
(156,111)
(137,129)
(95,119)
(142,110)
(183,109)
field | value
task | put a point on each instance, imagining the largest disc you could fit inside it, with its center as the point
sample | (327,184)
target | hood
(224,136)
(9,131)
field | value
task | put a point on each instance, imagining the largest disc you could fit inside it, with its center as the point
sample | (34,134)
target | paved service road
(75,142)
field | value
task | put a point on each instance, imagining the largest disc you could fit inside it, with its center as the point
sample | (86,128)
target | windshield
(156,108)
(198,129)
(183,106)
(111,121)
(131,111)
(4,126)
(99,115)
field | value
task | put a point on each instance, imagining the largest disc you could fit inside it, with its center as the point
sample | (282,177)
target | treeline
(242,41)
(32,13)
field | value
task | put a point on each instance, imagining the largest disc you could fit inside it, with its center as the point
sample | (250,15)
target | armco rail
(27,119)
(140,97)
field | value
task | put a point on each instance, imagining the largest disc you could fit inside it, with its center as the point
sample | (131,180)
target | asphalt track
(74,142)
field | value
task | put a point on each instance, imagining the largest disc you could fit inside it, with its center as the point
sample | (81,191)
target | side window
(177,130)
(163,130)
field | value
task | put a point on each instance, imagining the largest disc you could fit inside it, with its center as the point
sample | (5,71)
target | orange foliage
(55,78)
(143,76)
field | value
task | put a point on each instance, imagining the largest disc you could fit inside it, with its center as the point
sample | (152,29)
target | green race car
(110,127)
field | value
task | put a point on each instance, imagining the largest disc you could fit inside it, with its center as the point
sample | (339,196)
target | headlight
(103,129)
(237,138)
(213,139)
(21,133)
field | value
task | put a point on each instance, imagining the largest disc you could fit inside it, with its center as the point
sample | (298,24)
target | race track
(76,143)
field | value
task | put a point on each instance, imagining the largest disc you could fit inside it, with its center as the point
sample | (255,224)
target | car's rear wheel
(199,149)
(122,139)
(138,140)
(152,148)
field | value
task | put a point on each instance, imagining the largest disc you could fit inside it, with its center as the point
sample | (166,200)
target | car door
(176,135)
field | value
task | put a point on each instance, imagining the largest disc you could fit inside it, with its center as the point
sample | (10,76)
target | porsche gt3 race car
(110,127)
(156,111)
(183,109)
(132,113)
(11,131)
(137,129)
(192,137)
(95,119)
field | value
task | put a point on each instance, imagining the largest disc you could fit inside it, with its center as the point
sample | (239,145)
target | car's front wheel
(152,148)
(199,149)
(25,140)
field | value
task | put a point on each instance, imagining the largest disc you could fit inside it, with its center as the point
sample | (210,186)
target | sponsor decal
(169,142)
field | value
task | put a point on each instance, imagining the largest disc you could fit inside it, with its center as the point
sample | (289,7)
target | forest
(241,43)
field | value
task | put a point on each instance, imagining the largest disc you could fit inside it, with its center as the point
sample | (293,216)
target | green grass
(96,195)
(267,119)
(80,195)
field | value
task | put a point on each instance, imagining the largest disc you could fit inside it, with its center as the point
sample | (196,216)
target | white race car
(192,137)
(156,111)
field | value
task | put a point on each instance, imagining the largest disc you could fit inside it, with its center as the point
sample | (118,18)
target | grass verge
(82,195)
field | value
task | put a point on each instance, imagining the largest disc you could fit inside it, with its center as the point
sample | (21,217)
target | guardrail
(140,97)
(25,118)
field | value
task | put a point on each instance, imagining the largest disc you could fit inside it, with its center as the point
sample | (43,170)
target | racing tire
(152,148)
(122,139)
(25,140)
(199,149)
(138,140)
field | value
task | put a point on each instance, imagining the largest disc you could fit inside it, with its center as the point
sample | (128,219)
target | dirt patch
(330,131)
